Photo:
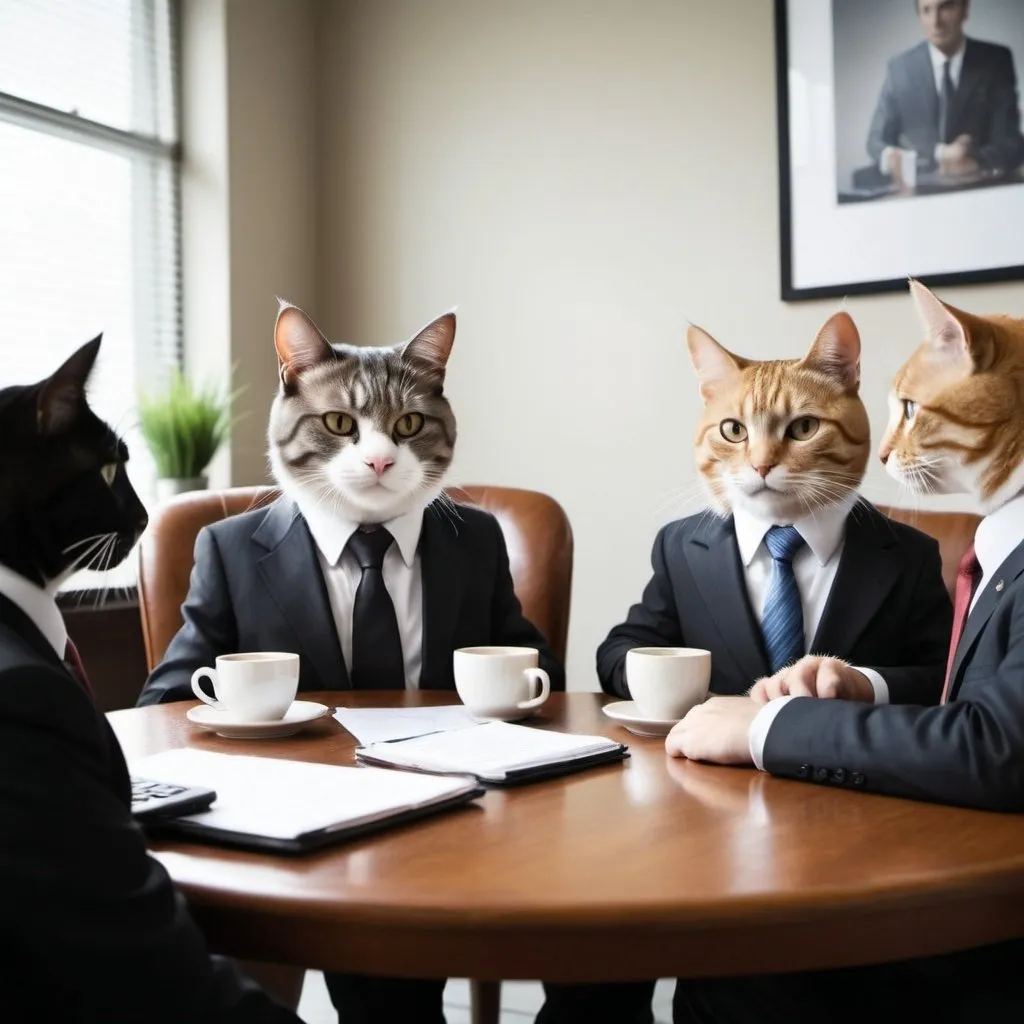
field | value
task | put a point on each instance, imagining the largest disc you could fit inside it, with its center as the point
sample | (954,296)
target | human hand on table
(814,676)
(715,731)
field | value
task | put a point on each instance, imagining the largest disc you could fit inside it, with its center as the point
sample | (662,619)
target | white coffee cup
(665,682)
(500,683)
(255,687)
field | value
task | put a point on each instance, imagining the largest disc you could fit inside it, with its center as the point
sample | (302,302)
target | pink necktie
(75,667)
(966,581)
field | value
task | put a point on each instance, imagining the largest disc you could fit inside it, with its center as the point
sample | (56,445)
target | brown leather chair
(540,550)
(953,530)
(536,530)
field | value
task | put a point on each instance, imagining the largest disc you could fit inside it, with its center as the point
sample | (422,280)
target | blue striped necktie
(782,624)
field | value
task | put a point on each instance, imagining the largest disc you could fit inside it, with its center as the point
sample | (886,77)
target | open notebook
(498,753)
(292,806)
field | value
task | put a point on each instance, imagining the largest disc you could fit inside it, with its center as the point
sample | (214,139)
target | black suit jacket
(984,107)
(970,751)
(888,608)
(257,586)
(92,930)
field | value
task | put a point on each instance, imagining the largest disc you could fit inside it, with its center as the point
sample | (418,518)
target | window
(89,210)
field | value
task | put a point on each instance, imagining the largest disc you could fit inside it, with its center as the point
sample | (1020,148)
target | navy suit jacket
(984,107)
(888,608)
(257,586)
(92,930)
(970,751)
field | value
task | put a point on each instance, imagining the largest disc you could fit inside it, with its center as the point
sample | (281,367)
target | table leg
(485,1001)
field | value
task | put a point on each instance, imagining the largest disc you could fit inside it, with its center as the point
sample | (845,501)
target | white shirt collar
(823,530)
(39,605)
(956,62)
(332,533)
(999,533)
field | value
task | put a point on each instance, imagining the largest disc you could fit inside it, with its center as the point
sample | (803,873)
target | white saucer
(299,715)
(625,713)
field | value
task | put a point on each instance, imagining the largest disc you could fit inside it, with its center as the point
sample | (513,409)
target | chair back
(535,527)
(953,530)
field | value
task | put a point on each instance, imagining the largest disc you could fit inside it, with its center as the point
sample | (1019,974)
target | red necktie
(966,582)
(75,667)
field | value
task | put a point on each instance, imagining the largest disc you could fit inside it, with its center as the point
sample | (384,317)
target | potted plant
(183,428)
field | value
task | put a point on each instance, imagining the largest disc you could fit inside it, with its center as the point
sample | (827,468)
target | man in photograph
(951,100)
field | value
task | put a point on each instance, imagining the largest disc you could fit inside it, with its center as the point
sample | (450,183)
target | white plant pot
(168,487)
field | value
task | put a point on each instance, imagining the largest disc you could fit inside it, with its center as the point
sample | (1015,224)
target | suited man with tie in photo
(950,99)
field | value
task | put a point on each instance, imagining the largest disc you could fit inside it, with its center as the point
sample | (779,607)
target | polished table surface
(652,867)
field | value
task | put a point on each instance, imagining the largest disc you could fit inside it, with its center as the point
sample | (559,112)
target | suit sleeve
(969,752)
(508,624)
(885,123)
(1003,149)
(919,676)
(209,628)
(654,622)
(81,892)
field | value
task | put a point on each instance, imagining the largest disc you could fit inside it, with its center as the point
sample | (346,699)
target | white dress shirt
(997,536)
(402,572)
(814,567)
(39,605)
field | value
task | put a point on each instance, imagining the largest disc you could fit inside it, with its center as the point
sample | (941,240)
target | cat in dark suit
(360,441)
(92,930)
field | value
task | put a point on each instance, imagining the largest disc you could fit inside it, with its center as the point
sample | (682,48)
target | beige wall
(579,177)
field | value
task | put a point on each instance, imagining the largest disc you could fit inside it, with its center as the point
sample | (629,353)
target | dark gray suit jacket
(968,752)
(92,930)
(257,586)
(888,608)
(984,107)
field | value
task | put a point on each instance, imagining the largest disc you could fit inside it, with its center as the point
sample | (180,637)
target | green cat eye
(339,423)
(909,408)
(409,425)
(733,430)
(804,428)
(108,471)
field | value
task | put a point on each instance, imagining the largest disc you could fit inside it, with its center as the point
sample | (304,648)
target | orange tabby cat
(957,406)
(782,438)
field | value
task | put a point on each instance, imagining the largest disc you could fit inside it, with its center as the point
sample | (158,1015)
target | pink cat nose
(379,463)
(763,471)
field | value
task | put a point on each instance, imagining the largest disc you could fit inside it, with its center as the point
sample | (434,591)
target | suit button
(856,779)
(803,771)
(821,775)
(838,776)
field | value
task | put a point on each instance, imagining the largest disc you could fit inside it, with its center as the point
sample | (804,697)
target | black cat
(65,499)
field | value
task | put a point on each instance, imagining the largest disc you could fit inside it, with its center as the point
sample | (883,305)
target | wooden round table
(650,868)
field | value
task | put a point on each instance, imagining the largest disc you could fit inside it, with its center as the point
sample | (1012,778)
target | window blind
(89,198)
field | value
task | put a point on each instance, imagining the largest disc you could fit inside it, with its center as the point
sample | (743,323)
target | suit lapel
(291,573)
(869,567)
(443,567)
(714,560)
(970,76)
(982,611)
(924,75)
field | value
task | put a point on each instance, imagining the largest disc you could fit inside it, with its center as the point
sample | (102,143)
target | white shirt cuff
(883,160)
(878,684)
(758,733)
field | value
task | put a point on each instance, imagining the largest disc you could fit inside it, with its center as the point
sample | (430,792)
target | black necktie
(376,643)
(945,103)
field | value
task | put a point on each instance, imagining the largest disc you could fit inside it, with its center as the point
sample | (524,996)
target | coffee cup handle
(536,675)
(197,677)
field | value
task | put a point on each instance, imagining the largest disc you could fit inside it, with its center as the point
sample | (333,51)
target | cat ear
(715,366)
(950,332)
(433,345)
(836,352)
(62,396)
(299,343)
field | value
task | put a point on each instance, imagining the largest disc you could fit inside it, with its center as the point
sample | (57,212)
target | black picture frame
(791,290)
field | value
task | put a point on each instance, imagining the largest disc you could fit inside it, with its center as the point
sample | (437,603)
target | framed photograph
(900,145)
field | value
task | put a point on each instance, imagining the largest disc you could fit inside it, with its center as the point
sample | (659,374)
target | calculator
(152,799)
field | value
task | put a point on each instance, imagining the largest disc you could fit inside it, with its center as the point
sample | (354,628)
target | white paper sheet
(378,725)
(268,796)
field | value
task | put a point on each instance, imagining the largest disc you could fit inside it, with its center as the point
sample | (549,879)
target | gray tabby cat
(364,432)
